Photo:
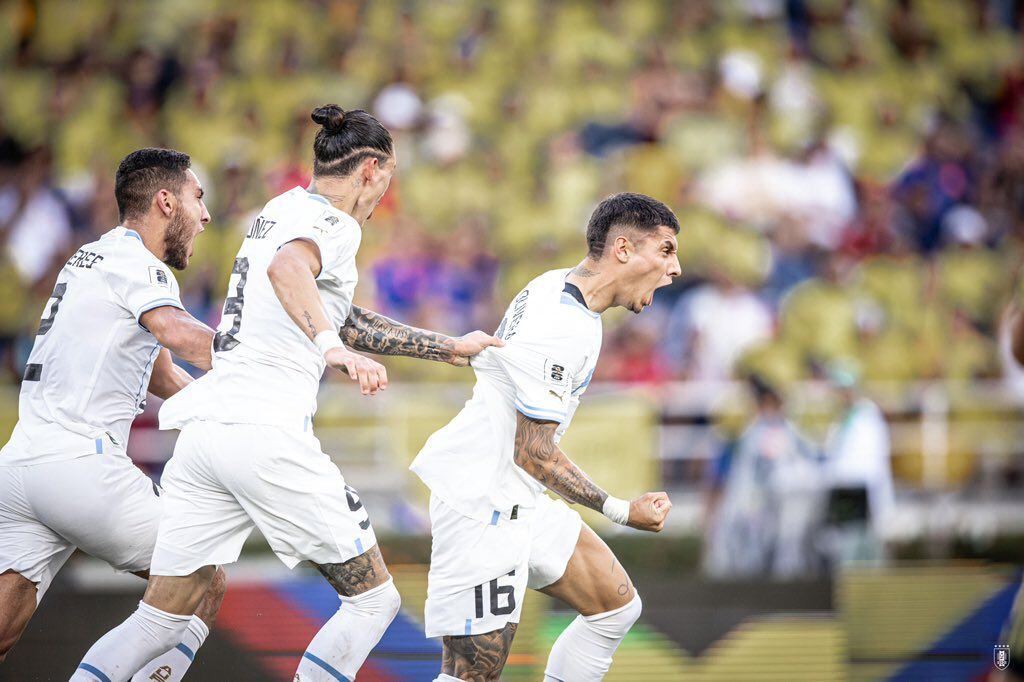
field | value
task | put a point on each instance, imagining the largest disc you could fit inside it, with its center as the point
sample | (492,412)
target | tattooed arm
(537,453)
(372,332)
(292,273)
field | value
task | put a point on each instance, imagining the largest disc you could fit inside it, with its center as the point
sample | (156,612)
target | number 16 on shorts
(495,603)
(497,594)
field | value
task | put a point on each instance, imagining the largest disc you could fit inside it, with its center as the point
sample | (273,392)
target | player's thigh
(300,501)
(28,547)
(103,504)
(478,658)
(594,581)
(478,573)
(203,524)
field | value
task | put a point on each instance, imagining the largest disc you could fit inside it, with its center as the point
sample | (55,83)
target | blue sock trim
(188,652)
(325,665)
(95,671)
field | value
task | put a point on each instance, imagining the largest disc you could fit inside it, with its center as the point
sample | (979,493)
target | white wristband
(326,340)
(617,510)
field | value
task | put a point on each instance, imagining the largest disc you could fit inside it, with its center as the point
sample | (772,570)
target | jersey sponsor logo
(158,277)
(84,259)
(260,228)
(515,317)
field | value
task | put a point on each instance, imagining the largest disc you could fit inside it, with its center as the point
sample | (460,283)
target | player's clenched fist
(648,512)
(469,345)
(371,375)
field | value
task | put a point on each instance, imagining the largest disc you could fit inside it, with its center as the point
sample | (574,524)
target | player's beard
(176,241)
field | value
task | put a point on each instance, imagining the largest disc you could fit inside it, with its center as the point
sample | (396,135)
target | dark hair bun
(330,116)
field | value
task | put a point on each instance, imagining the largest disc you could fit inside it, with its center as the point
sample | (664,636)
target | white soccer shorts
(479,572)
(102,504)
(225,479)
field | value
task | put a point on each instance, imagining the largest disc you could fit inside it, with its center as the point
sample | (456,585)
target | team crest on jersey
(158,277)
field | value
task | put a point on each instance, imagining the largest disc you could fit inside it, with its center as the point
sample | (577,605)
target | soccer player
(105,337)
(246,455)
(495,532)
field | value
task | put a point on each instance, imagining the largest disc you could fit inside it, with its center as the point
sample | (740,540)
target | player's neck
(152,238)
(342,195)
(594,283)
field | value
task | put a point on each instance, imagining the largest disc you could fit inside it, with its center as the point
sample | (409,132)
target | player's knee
(618,622)
(381,602)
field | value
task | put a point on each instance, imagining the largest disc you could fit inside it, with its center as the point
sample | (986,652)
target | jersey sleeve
(541,371)
(142,285)
(336,241)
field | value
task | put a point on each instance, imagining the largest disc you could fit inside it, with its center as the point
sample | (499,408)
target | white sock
(121,652)
(343,643)
(446,678)
(583,652)
(171,665)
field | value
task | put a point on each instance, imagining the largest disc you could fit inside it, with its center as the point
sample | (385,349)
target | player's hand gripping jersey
(91,362)
(552,343)
(265,369)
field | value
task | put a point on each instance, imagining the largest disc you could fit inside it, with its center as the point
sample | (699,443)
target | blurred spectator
(763,507)
(35,225)
(858,474)
(713,325)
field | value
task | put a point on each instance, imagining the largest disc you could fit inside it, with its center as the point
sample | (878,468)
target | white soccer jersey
(89,368)
(552,343)
(265,369)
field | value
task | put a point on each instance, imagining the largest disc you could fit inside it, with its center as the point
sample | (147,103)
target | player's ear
(621,248)
(165,201)
(370,169)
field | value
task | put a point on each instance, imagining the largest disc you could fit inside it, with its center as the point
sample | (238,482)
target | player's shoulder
(548,309)
(303,208)
(121,250)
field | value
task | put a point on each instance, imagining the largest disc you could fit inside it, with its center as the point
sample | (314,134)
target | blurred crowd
(849,174)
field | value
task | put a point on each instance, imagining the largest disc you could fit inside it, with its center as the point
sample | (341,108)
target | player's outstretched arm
(167,377)
(182,334)
(372,332)
(292,274)
(538,454)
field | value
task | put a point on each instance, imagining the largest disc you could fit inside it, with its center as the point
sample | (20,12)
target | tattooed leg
(478,658)
(369,603)
(357,575)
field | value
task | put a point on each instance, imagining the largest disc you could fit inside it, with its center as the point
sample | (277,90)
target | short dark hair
(626,209)
(346,139)
(145,172)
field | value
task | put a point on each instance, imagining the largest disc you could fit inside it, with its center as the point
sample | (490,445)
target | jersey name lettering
(518,309)
(260,227)
(84,259)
